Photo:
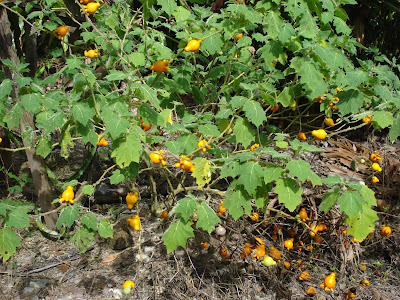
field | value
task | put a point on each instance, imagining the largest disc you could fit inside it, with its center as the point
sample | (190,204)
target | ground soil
(48,268)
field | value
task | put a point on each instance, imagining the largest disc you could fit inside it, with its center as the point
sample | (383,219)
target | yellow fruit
(310,291)
(288,244)
(164,214)
(374,179)
(386,231)
(201,145)
(239,36)
(375,156)
(91,7)
(329,122)
(329,282)
(160,66)
(275,107)
(254,146)
(61,31)
(92,53)
(303,215)
(128,283)
(304,275)
(320,134)
(193,45)
(127,286)
(68,195)
(293,105)
(131,199)
(376,167)
(367,119)
(157,158)
(254,217)
(302,136)
(134,222)
(268,261)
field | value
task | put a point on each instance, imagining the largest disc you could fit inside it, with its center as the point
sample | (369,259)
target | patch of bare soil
(53,269)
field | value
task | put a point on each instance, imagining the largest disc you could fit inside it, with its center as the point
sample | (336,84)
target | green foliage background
(295,50)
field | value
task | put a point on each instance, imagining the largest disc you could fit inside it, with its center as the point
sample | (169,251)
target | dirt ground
(46,268)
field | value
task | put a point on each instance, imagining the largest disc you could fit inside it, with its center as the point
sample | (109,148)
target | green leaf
(289,193)
(286,97)
(382,119)
(43,147)
(186,207)
(272,173)
(341,26)
(209,130)
(181,14)
(82,112)
(89,220)
(105,229)
(112,21)
(128,151)
(394,131)
(137,59)
(312,79)
(251,175)
(148,114)
(303,146)
(213,44)
(315,179)
(13,116)
(329,199)
(177,235)
(148,94)
(116,75)
(5,89)
(82,238)
(117,177)
(276,154)
(286,32)
(9,242)
(235,202)
(202,171)
(308,28)
(116,125)
(331,180)
(185,144)
(243,132)
(230,168)
(31,102)
(362,223)
(368,195)
(351,203)
(254,112)
(68,216)
(350,102)
(300,169)
(66,144)
(332,57)
(272,50)
(17,218)
(88,189)
(273,23)
(169,6)
(238,101)
(206,217)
